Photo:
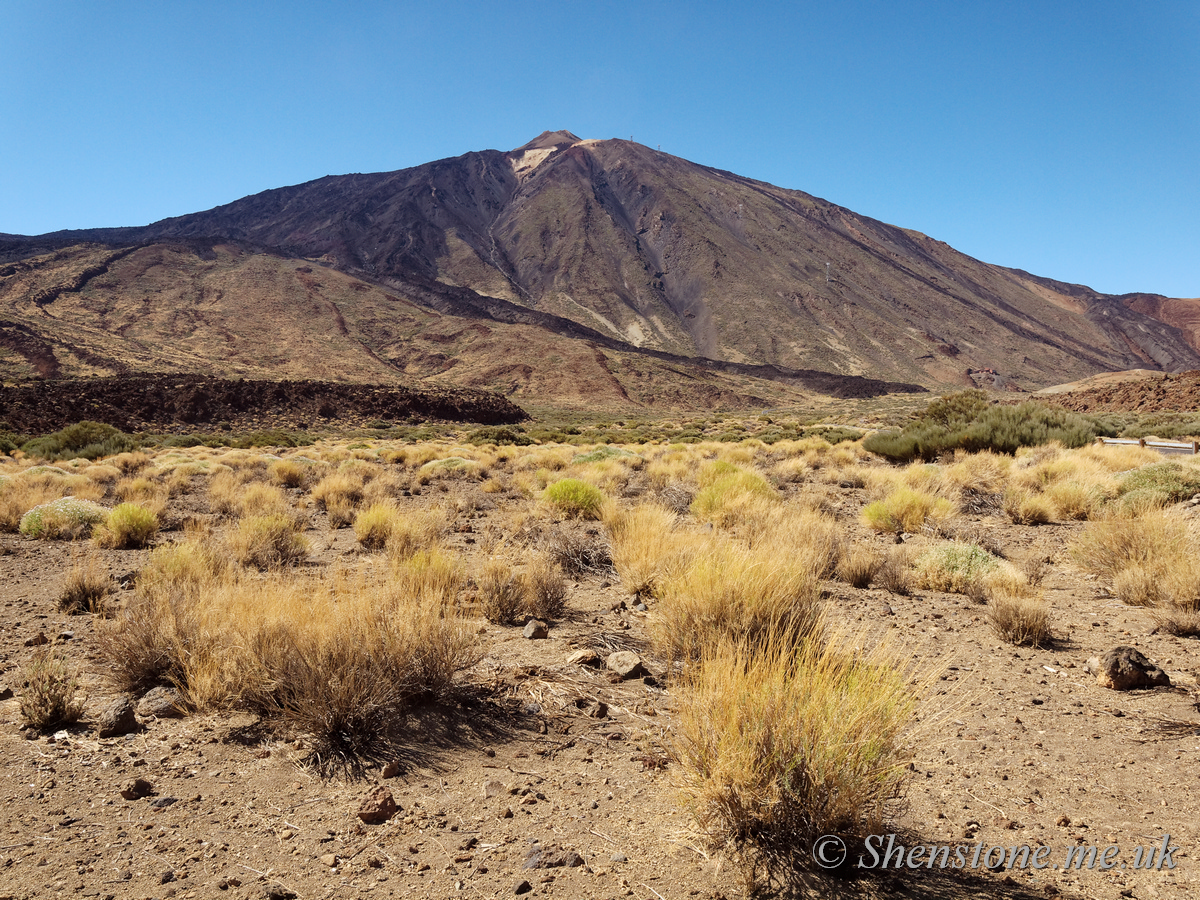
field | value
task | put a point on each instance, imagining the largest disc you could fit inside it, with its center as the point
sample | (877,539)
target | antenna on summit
(827,273)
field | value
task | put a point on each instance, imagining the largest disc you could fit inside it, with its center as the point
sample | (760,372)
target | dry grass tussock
(1024,621)
(85,586)
(544,587)
(649,546)
(730,592)
(777,746)
(145,492)
(51,694)
(340,657)
(858,564)
(501,595)
(266,542)
(433,575)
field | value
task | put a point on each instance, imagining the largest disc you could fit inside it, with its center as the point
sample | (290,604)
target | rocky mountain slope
(613,239)
(234,310)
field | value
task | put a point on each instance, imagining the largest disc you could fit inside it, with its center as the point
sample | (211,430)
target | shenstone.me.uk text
(885,851)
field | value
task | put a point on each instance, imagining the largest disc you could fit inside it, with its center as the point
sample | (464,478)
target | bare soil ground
(1013,746)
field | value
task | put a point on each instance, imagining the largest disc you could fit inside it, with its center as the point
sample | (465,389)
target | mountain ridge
(672,257)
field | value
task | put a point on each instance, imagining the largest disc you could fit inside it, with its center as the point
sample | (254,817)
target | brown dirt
(1014,746)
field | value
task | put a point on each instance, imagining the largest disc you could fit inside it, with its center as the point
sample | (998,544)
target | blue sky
(1058,137)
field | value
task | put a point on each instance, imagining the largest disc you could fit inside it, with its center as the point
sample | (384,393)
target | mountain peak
(549,140)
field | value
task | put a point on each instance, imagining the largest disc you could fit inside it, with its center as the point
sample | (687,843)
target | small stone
(329,859)
(522,887)
(618,858)
(535,630)
(639,607)
(118,718)
(589,658)
(625,664)
(163,802)
(391,769)
(378,807)
(6,693)
(161,703)
(37,640)
(137,788)
(491,788)
(166,877)
(278,892)
(597,709)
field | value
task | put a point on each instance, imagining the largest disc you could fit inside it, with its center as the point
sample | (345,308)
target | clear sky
(1057,136)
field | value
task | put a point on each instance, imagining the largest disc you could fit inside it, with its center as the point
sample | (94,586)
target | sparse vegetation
(727,543)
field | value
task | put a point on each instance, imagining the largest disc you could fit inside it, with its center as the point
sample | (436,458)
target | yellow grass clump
(1024,507)
(339,494)
(128,526)
(907,509)
(777,746)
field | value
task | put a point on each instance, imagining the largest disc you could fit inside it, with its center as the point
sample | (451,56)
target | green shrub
(967,421)
(83,440)
(834,434)
(64,519)
(953,567)
(575,498)
(499,434)
(1160,484)
(600,454)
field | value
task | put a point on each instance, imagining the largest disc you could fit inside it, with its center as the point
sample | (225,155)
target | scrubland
(334,592)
